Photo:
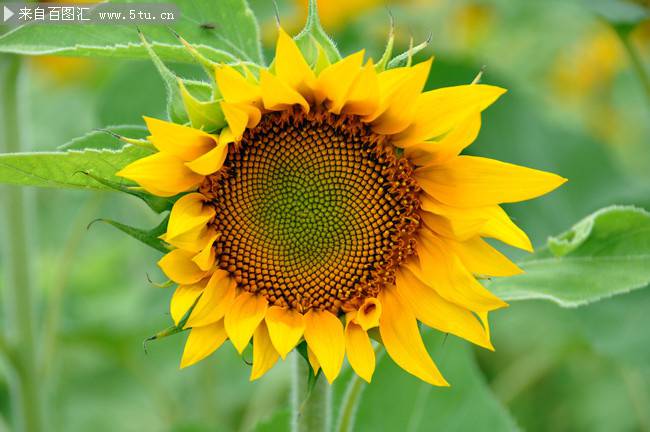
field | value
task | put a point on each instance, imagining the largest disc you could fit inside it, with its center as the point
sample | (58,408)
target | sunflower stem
(350,404)
(18,293)
(311,409)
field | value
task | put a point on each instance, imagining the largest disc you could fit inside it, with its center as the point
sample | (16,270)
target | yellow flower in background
(335,208)
(587,65)
(335,13)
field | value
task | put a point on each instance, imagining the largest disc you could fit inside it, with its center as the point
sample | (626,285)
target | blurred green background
(575,106)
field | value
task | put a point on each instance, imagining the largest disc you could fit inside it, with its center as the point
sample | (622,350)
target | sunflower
(334,208)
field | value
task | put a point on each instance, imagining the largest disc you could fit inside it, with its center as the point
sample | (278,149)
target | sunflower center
(314,211)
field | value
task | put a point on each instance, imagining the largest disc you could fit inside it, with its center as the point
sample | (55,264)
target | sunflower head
(334,206)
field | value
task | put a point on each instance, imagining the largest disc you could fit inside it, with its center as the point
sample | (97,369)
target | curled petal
(368,314)
(179,267)
(188,213)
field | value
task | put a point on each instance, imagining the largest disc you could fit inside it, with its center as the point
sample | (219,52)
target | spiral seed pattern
(314,211)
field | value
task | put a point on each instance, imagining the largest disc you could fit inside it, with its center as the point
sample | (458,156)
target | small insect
(208,26)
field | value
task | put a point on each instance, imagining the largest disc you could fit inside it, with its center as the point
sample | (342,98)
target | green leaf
(205,115)
(603,255)
(148,237)
(66,169)
(468,405)
(155,203)
(175,108)
(235,36)
(313,35)
(619,12)
(104,139)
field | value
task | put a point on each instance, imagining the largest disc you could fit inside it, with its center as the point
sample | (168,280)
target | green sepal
(175,108)
(406,57)
(313,35)
(312,379)
(207,64)
(322,61)
(148,237)
(173,329)
(388,51)
(157,204)
(204,115)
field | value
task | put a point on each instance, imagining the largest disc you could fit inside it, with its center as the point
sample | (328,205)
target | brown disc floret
(314,211)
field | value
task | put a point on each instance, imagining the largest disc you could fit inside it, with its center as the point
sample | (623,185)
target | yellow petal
(466,222)
(501,227)
(467,181)
(191,241)
(401,337)
(243,317)
(363,97)
(184,142)
(335,81)
(368,314)
(277,95)
(210,162)
(438,111)
(359,349)
(161,174)
(215,301)
(437,312)
(400,101)
(188,213)
(264,355)
(324,335)
(387,82)
(290,65)
(202,342)
(482,259)
(179,267)
(183,299)
(286,327)
(449,277)
(313,361)
(206,257)
(234,87)
(237,118)
(434,152)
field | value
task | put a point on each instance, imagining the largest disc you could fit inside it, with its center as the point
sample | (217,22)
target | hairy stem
(311,410)
(350,404)
(18,293)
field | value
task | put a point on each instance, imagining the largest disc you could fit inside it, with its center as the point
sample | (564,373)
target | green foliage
(66,169)
(620,12)
(312,36)
(148,237)
(235,36)
(467,405)
(603,255)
